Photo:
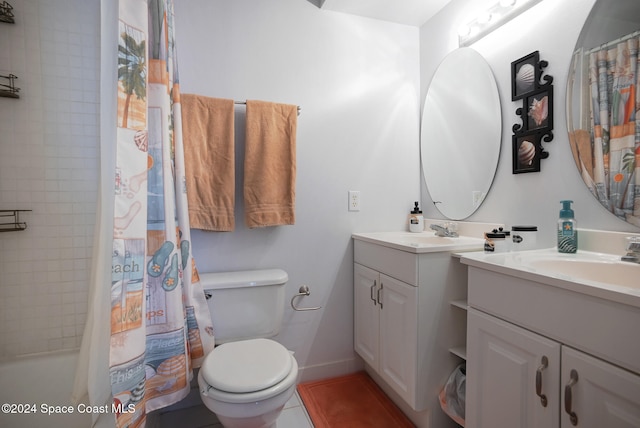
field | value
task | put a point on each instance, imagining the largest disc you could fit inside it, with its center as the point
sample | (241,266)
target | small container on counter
(567,229)
(507,237)
(495,242)
(416,220)
(524,237)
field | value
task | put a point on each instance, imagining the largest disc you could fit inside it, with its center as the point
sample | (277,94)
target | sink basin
(605,271)
(429,240)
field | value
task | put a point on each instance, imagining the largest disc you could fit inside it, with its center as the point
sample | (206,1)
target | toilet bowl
(247,379)
(247,383)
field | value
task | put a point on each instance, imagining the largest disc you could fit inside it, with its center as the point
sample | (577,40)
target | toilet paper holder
(303,291)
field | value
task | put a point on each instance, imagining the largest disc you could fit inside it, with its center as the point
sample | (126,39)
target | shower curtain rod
(614,42)
(245,103)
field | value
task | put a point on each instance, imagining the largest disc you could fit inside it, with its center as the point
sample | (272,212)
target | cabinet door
(366,314)
(601,395)
(505,373)
(399,336)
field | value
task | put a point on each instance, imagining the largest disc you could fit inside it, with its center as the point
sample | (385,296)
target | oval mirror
(461,133)
(601,106)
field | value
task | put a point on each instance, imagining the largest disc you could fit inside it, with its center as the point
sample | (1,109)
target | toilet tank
(245,304)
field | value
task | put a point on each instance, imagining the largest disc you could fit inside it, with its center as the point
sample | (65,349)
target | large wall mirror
(602,106)
(461,133)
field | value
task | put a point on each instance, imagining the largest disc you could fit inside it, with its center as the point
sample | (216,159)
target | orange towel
(270,164)
(208,134)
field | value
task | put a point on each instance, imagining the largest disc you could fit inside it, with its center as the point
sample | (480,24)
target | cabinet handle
(371,296)
(573,379)
(544,363)
(380,291)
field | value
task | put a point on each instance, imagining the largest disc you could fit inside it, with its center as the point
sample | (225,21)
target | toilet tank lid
(244,278)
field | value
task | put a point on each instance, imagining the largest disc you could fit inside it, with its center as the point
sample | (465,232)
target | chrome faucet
(444,230)
(633,250)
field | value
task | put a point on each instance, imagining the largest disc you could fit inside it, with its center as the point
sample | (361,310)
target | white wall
(552,28)
(48,164)
(357,83)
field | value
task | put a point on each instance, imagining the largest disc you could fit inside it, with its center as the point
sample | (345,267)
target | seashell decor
(525,76)
(539,110)
(526,153)
(531,87)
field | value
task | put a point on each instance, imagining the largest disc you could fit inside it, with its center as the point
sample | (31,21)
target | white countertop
(422,242)
(617,281)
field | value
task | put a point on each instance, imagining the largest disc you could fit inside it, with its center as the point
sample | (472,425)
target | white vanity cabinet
(386,324)
(597,393)
(505,360)
(543,357)
(403,322)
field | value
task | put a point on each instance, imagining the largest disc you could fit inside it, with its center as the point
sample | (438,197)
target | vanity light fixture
(492,18)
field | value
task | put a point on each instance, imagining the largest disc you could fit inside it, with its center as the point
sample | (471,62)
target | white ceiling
(410,12)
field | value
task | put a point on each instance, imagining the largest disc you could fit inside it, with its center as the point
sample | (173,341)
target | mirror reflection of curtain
(610,153)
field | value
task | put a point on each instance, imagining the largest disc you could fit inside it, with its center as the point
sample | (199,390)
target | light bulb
(485,17)
(463,30)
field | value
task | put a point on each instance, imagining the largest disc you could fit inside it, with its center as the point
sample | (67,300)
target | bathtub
(40,385)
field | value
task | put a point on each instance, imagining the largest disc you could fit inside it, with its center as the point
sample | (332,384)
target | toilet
(247,378)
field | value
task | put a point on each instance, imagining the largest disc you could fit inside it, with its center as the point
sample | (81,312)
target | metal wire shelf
(10,90)
(6,14)
(12,226)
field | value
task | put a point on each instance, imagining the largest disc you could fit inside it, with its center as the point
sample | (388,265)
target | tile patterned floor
(294,415)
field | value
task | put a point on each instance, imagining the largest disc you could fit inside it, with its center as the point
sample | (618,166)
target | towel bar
(245,103)
(303,291)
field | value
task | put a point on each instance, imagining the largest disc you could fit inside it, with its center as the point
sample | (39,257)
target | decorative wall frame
(536,114)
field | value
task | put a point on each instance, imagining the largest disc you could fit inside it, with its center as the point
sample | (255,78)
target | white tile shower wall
(49,161)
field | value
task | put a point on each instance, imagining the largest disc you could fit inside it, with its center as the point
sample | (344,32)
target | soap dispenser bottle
(416,220)
(567,229)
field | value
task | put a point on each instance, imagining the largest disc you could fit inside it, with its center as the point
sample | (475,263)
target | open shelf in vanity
(460,305)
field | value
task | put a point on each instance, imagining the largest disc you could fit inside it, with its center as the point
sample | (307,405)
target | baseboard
(329,370)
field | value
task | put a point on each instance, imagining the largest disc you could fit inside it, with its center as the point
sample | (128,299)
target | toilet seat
(210,392)
(246,366)
(248,370)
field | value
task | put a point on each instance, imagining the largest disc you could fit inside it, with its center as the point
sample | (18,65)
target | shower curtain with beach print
(614,80)
(160,323)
